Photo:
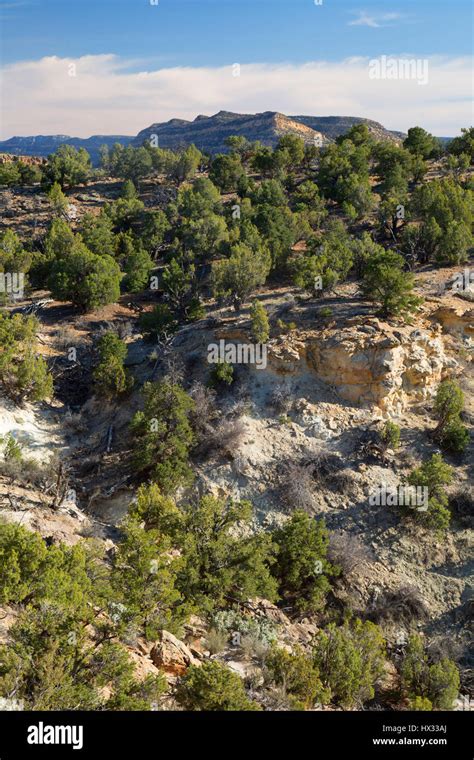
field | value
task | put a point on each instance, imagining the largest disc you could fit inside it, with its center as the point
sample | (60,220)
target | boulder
(172,655)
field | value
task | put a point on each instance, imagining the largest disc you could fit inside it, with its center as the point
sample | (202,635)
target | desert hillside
(222,382)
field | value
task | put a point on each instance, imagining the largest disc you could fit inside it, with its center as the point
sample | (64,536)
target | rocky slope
(208,133)
(335,126)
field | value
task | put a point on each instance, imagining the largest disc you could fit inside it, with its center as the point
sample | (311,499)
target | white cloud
(106,97)
(375,20)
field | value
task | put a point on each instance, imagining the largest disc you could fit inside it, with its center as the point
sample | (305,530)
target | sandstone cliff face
(369,364)
(456,319)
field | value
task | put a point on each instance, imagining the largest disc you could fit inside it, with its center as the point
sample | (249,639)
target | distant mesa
(208,133)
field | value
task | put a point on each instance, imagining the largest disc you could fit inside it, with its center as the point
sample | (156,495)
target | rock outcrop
(370,364)
(172,655)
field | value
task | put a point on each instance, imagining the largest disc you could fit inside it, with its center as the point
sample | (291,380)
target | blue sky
(114,66)
(215,32)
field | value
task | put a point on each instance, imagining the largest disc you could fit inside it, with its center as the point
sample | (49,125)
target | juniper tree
(436,684)
(449,402)
(57,199)
(433,475)
(350,659)
(260,323)
(23,371)
(301,566)
(163,435)
(84,278)
(213,687)
(386,283)
(110,376)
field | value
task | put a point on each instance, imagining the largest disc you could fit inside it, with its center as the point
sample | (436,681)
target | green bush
(110,376)
(390,435)
(433,475)
(260,323)
(86,279)
(12,449)
(158,322)
(222,374)
(10,174)
(219,566)
(163,435)
(57,199)
(420,704)
(436,684)
(301,567)
(298,675)
(23,373)
(238,276)
(220,562)
(452,435)
(213,687)
(60,655)
(385,282)
(144,579)
(67,167)
(350,660)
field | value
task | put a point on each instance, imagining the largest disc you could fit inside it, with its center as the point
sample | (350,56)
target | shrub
(449,402)
(350,661)
(216,641)
(402,606)
(297,673)
(212,687)
(420,704)
(12,449)
(50,663)
(224,438)
(297,490)
(387,284)
(57,199)
(204,407)
(281,398)
(433,475)
(327,262)
(437,682)
(222,374)
(221,561)
(238,276)
(23,373)
(301,567)
(10,174)
(260,323)
(67,167)
(137,266)
(144,578)
(163,435)
(110,377)
(158,323)
(326,312)
(390,435)
(256,627)
(347,552)
(461,505)
(86,279)
(454,436)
